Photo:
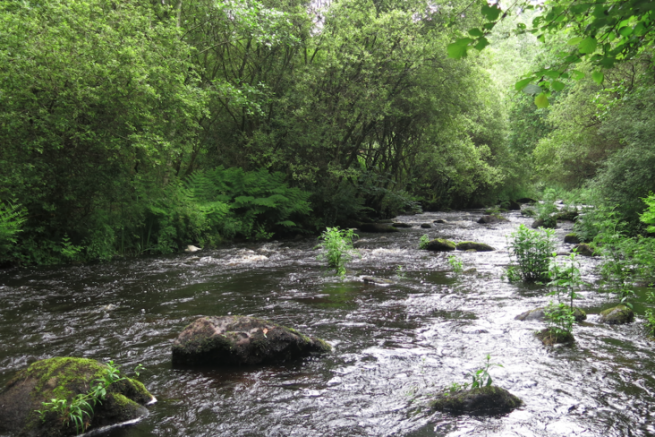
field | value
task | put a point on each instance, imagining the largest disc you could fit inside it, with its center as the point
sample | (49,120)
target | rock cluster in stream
(478,401)
(65,378)
(240,340)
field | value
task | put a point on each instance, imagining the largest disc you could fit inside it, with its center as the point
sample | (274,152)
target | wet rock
(377,227)
(485,219)
(550,337)
(239,340)
(584,250)
(539,314)
(526,200)
(65,378)
(478,401)
(571,239)
(619,315)
(513,205)
(401,225)
(376,281)
(529,212)
(440,245)
(440,221)
(477,247)
(426,225)
(548,223)
(567,216)
(191,248)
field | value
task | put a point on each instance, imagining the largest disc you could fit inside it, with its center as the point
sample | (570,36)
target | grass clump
(531,252)
(338,250)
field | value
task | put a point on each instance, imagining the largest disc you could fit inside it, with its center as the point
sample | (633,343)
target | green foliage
(479,378)
(79,411)
(337,246)
(648,216)
(423,242)
(456,264)
(565,280)
(532,251)
(12,219)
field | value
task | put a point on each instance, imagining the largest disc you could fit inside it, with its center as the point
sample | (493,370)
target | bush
(532,251)
(338,248)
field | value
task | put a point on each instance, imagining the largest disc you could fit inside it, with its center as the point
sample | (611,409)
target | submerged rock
(377,227)
(401,225)
(584,250)
(485,219)
(571,239)
(619,315)
(376,281)
(440,221)
(426,225)
(550,337)
(239,340)
(478,401)
(477,247)
(440,245)
(540,314)
(65,378)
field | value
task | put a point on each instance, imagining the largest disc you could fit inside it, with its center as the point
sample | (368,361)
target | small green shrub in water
(479,377)
(80,409)
(532,252)
(423,242)
(455,264)
(338,248)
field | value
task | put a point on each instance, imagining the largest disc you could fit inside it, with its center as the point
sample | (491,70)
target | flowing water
(394,346)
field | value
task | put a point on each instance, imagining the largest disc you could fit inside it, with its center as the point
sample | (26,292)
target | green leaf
(541,101)
(476,32)
(491,12)
(558,86)
(482,43)
(588,45)
(457,50)
(522,84)
(598,77)
(625,31)
(574,41)
(577,75)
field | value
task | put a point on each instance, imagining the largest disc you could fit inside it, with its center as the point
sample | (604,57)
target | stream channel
(394,346)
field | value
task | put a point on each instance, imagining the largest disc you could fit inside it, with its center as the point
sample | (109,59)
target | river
(395,346)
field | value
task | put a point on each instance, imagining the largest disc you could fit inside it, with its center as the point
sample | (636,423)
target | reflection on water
(395,346)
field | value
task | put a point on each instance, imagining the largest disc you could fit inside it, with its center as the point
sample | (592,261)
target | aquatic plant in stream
(479,377)
(565,280)
(338,250)
(423,242)
(532,252)
(455,264)
(80,409)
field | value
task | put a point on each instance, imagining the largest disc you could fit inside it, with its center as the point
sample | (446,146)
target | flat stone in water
(376,281)
(239,340)
(478,401)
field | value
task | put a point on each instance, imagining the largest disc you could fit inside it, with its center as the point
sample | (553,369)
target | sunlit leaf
(588,45)
(476,32)
(575,41)
(541,101)
(482,43)
(522,84)
(558,86)
(491,12)
(457,50)
(598,77)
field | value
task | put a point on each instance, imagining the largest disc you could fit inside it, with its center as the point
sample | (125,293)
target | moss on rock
(478,401)
(618,315)
(472,245)
(64,378)
(550,337)
(440,245)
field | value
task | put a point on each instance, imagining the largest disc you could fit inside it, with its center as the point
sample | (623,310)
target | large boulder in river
(485,219)
(239,340)
(551,337)
(440,245)
(489,400)
(619,315)
(571,239)
(401,225)
(472,245)
(377,227)
(584,249)
(540,314)
(65,378)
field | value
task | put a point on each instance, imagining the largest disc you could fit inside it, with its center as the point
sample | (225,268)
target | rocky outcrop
(486,219)
(584,250)
(571,239)
(478,401)
(472,245)
(440,245)
(619,315)
(65,378)
(377,227)
(551,337)
(239,341)
(540,314)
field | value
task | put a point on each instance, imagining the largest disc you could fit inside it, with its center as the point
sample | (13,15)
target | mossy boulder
(478,401)
(529,212)
(619,315)
(65,378)
(550,337)
(567,215)
(495,218)
(472,245)
(548,223)
(239,341)
(540,314)
(426,225)
(377,228)
(526,200)
(440,245)
(572,239)
(584,249)
(513,205)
